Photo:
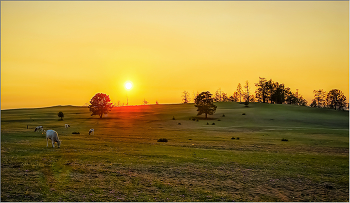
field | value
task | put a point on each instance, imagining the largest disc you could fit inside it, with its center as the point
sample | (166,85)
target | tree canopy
(335,98)
(61,115)
(100,104)
(205,104)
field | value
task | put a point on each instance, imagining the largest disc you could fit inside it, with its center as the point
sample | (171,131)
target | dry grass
(124,162)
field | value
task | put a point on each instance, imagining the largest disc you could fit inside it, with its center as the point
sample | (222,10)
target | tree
(302,101)
(239,91)
(278,93)
(313,103)
(251,98)
(205,104)
(247,91)
(100,104)
(186,97)
(224,97)
(319,98)
(235,97)
(261,91)
(270,88)
(290,97)
(336,98)
(61,115)
(217,97)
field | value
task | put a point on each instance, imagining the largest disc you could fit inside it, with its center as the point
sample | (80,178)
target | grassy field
(123,161)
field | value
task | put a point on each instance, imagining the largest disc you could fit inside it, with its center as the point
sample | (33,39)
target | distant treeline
(268,91)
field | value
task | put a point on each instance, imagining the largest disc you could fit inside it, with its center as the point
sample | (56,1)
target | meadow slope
(201,161)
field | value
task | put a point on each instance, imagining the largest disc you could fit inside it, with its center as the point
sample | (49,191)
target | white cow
(53,136)
(39,128)
(66,125)
(91,131)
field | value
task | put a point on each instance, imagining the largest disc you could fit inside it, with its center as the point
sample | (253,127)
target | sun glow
(128,85)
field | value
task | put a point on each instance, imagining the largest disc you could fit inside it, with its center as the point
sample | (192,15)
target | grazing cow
(66,125)
(53,136)
(39,128)
(91,131)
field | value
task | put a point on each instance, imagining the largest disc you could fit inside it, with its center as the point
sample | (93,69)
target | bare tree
(247,91)
(185,97)
(239,91)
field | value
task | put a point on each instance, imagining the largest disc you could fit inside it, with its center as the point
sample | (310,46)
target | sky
(64,52)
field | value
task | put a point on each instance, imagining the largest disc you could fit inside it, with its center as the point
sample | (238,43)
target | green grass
(123,161)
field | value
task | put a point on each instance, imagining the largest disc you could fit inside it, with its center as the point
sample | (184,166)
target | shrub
(162,140)
(232,138)
(237,138)
(243,113)
(207,123)
(179,123)
(223,115)
(173,118)
(213,124)
(283,139)
(219,120)
(75,132)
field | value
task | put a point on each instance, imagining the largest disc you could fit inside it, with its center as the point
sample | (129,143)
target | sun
(128,85)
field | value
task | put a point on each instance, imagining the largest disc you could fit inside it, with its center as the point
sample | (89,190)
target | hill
(240,157)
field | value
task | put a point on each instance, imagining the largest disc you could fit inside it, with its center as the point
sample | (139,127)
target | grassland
(123,161)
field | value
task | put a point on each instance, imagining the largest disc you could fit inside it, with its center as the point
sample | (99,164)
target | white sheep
(66,125)
(53,136)
(92,131)
(39,128)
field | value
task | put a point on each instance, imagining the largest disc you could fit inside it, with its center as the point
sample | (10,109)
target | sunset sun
(128,85)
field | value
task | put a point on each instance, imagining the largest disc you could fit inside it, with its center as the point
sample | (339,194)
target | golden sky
(63,53)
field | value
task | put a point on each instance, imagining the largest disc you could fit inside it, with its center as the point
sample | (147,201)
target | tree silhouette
(224,97)
(239,91)
(145,102)
(234,97)
(247,91)
(319,98)
(217,96)
(100,104)
(336,98)
(261,91)
(61,115)
(186,97)
(205,104)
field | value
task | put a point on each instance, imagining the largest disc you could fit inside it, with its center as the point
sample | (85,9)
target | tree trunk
(101,115)
(205,116)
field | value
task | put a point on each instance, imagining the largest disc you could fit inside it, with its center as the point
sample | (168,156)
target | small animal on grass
(66,125)
(91,131)
(53,136)
(39,128)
